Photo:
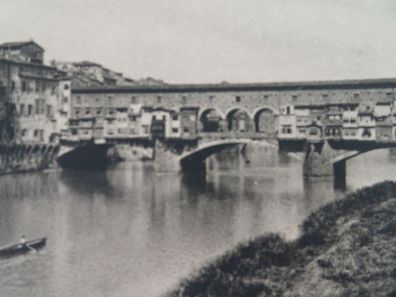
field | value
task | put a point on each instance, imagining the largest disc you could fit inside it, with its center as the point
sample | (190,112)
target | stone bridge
(327,158)
(322,157)
(191,158)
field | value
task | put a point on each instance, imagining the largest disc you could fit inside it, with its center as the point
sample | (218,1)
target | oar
(32,249)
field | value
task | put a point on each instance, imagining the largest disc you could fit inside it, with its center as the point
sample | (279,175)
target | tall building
(34,95)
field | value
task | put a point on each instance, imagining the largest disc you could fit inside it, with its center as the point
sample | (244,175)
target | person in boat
(23,241)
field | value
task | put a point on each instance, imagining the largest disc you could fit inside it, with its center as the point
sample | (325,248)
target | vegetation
(347,248)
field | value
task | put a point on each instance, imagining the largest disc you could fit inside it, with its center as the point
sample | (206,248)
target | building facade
(284,110)
(37,95)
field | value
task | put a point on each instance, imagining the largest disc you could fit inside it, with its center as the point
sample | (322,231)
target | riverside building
(36,94)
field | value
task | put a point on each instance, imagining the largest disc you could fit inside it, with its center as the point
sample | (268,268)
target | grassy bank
(347,248)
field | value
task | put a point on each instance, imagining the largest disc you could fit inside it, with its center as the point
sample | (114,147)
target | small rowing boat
(22,248)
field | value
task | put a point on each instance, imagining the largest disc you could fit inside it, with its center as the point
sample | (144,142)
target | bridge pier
(319,161)
(167,155)
(165,158)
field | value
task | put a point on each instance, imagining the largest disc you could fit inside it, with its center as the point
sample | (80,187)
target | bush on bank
(345,249)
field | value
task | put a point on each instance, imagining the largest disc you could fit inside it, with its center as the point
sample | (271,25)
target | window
(184,99)
(159,99)
(66,86)
(294,97)
(36,133)
(389,96)
(175,117)
(30,109)
(12,85)
(313,131)
(53,90)
(37,86)
(186,130)
(211,98)
(133,100)
(175,130)
(288,110)
(87,111)
(22,109)
(325,96)
(49,111)
(24,86)
(286,130)
(99,111)
(265,97)
(65,99)
(327,131)
(24,132)
(356,96)
(237,99)
(163,117)
(78,99)
(37,106)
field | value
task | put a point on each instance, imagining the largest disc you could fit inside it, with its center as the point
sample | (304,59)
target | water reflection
(131,231)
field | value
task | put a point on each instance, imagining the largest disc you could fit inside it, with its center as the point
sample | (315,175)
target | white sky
(186,41)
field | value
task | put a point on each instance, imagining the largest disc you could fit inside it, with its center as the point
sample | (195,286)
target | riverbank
(20,158)
(347,248)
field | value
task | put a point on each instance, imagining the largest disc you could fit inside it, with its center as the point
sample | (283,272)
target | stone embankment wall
(15,158)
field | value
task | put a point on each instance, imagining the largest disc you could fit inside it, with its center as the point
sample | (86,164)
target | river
(130,231)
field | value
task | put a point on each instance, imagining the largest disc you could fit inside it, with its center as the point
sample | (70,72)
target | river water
(130,231)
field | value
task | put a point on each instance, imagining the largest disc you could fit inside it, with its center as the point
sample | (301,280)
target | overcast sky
(183,41)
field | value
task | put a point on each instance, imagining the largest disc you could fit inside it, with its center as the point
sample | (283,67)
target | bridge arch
(194,160)
(347,155)
(239,119)
(210,119)
(329,158)
(265,120)
(84,157)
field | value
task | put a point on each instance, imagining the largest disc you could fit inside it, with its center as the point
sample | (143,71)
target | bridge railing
(236,135)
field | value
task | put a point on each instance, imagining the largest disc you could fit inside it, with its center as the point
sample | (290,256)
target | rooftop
(87,63)
(270,86)
(18,44)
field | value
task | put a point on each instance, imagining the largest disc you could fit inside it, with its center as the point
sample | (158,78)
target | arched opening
(210,120)
(265,121)
(238,121)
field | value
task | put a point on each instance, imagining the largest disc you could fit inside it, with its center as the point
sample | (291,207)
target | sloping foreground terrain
(347,248)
